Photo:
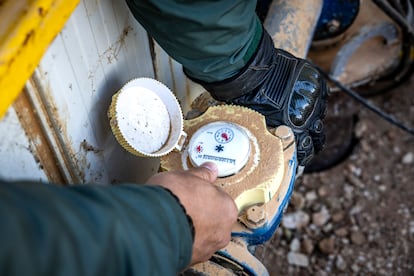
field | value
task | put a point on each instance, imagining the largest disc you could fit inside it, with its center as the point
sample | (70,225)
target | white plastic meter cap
(223,143)
(147,118)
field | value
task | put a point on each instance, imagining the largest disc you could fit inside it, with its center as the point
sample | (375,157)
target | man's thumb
(207,171)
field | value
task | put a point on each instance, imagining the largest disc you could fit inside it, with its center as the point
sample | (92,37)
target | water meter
(256,165)
(224,143)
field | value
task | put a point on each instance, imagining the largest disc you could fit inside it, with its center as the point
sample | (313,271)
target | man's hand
(286,90)
(212,210)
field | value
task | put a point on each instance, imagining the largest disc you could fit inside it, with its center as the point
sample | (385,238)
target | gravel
(357,217)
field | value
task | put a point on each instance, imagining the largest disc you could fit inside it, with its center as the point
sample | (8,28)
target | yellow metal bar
(27,27)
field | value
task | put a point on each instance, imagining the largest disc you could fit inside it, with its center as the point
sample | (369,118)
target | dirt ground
(356,218)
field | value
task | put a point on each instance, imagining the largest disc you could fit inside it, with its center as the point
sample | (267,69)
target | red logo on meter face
(199,148)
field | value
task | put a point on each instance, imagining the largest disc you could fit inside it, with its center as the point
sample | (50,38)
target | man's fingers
(207,171)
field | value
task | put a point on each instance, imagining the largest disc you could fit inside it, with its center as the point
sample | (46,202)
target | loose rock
(358,238)
(341,232)
(295,245)
(307,246)
(311,196)
(327,245)
(338,216)
(340,263)
(297,200)
(298,259)
(321,218)
(408,158)
(295,220)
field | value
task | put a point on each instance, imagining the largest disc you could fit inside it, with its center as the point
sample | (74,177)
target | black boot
(285,89)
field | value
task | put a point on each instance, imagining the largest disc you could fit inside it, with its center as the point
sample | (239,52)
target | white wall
(100,48)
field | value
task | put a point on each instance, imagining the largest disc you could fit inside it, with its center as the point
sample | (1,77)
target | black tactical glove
(285,89)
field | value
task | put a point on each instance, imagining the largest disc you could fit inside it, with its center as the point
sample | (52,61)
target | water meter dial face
(224,143)
(224,135)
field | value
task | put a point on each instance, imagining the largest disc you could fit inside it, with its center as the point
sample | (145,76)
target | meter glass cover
(224,143)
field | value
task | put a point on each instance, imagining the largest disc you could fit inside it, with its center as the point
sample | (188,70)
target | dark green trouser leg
(213,40)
